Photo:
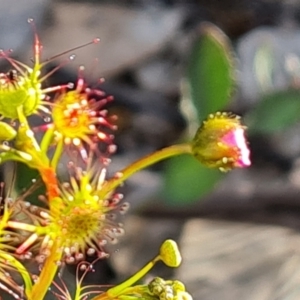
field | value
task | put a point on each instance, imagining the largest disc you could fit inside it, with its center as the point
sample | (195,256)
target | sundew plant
(75,218)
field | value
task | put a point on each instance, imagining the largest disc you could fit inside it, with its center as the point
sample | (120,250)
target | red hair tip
(96,40)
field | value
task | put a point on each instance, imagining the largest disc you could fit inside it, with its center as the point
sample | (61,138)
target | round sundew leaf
(187,181)
(211,70)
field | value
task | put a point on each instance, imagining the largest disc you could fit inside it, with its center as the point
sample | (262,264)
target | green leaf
(186,180)
(275,112)
(211,71)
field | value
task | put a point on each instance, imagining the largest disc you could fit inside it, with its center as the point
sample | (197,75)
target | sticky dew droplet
(47,119)
(96,40)
(90,251)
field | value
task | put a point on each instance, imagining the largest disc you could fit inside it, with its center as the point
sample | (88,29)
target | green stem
(13,154)
(46,277)
(117,290)
(57,154)
(137,297)
(136,290)
(26,142)
(26,133)
(46,140)
(143,163)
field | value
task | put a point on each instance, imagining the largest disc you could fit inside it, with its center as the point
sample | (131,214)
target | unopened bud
(220,143)
(168,290)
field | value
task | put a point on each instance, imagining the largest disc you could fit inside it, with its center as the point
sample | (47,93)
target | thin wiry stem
(20,268)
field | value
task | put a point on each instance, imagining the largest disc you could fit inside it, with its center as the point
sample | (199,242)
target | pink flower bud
(220,143)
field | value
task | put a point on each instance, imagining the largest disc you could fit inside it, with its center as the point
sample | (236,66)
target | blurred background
(168,64)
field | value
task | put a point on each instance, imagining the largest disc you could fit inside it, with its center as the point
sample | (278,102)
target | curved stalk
(46,140)
(143,163)
(21,269)
(117,290)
